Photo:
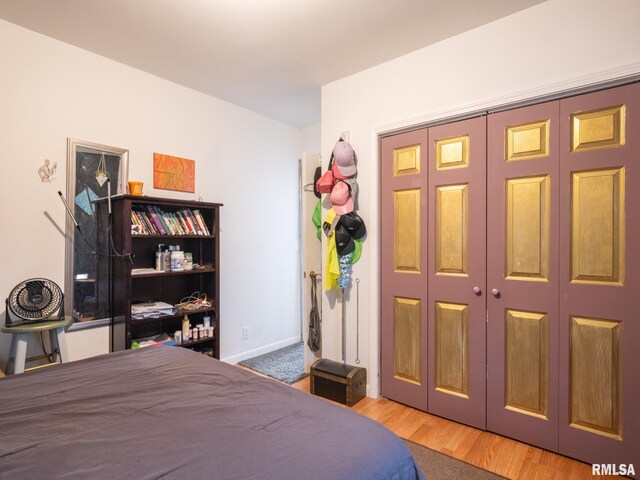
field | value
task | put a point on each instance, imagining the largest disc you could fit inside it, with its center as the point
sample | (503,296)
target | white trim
(565,86)
(602,77)
(261,350)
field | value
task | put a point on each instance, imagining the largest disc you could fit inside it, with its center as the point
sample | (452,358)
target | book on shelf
(183,223)
(203,224)
(152,220)
(174,222)
(156,220)
(150,310)
(193,223)
(145,271)
(146,222)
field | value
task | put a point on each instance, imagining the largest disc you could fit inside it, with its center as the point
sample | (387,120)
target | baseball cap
(357,251)
(344,242)
(353,188)
(336,171)
(345,158)
(341,198)
(354,224)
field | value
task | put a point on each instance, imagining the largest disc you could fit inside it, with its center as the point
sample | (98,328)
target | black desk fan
(34,300)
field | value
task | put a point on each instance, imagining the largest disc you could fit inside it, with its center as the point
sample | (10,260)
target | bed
(168,412)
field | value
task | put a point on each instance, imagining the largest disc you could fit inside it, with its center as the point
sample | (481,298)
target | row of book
(152,220)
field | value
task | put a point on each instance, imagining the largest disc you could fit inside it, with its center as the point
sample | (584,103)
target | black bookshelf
(135,250)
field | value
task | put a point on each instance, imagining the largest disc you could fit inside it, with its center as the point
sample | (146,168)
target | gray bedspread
(167,412)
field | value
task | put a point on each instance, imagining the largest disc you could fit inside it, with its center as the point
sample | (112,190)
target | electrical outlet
(245,333)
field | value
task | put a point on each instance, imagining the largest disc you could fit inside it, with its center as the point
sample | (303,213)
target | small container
(206,321)
(135,188)
(177,336)
(185,329)
(159,258)
(166,261)
(188,261)
(177,261)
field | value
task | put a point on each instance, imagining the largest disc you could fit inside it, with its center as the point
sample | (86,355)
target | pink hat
(344,158)
(341,198)
(336,171)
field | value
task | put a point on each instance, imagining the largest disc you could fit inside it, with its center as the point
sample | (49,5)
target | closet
(510,273)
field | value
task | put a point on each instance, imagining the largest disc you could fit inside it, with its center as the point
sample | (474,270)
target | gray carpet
(285,364)
(438,466)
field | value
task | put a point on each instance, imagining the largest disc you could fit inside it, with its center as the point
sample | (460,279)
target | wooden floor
(489,451)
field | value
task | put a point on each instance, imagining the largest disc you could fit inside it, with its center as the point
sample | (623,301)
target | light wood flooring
(489,451)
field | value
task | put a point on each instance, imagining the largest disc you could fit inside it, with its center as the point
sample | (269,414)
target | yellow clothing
(332,269)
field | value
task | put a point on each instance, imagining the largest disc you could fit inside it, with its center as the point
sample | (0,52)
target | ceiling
(269,56)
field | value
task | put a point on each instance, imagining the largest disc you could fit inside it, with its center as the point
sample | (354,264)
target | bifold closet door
(600,277)
(456,271)
(403,268)
(522,274)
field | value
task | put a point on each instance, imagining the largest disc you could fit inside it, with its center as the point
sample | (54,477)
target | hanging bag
(314,340)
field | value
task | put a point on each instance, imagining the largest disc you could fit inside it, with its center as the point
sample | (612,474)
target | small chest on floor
(337,381)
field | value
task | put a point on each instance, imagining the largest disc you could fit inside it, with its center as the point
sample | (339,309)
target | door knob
(477,290)
(495,292)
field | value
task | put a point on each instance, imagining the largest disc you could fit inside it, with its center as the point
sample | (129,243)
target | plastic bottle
(177,261)
(185,328)
(166,260)
(159,258)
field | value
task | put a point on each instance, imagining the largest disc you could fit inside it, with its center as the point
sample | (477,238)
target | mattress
(168,412)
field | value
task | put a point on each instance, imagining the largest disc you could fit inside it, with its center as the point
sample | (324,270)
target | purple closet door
(403,267)
(457,271)
(600,276)
(522,274)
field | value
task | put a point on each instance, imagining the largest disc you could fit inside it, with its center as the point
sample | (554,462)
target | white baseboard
(261,350)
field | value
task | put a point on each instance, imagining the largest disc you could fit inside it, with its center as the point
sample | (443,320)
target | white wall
(556,45)
(311,138)
(50,91)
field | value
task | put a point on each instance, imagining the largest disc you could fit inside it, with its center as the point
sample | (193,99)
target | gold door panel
(452,153)
(406,160)
(452,348)
(527,229)
(595,376)
(598,129)
(527,362)
(406,339)
(406,254)
(528,140)
(597,226)
(452,242)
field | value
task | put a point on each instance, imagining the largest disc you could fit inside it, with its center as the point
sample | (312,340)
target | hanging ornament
(101,172)
(47,171)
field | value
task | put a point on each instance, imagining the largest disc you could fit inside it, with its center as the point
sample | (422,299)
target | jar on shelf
(188,261)
(177,261)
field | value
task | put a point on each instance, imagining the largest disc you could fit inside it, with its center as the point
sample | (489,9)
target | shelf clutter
(189,335)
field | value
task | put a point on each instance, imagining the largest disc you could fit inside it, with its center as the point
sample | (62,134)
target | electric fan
(34,300)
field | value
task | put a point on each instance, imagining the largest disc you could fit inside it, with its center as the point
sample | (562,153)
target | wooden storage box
(337,381)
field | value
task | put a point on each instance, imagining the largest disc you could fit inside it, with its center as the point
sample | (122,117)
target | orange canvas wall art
(174,173)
